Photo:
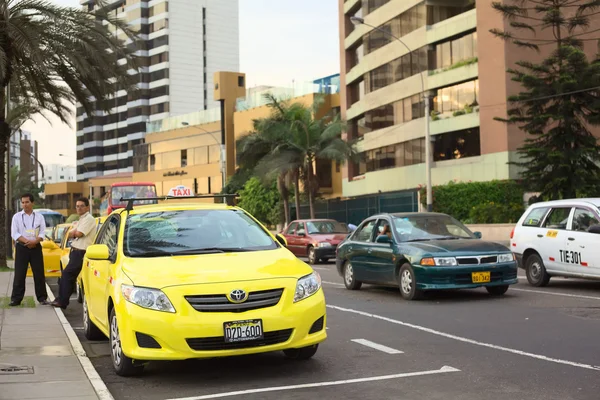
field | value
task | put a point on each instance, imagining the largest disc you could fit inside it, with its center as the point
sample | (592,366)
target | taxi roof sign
(180,191)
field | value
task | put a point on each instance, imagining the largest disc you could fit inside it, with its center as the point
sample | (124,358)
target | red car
(316,239)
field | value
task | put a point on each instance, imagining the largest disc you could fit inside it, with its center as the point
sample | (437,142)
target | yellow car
(52,251)
(66,250)
(181,281)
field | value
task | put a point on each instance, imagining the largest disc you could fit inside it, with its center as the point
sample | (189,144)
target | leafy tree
(52,56)
(21,182)
(301,137)
(261,201)
(560,99)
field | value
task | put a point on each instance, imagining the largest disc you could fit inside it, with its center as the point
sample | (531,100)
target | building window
(440,13)
(455,99)
(450,53)
(152,162)
(184,158)
(457,145)
(397,70)
(396,113)
(241,81)
(394,156)
(405,23)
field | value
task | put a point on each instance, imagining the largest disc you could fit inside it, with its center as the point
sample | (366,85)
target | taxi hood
(161,272)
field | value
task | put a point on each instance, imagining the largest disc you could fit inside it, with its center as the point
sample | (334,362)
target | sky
(281,41)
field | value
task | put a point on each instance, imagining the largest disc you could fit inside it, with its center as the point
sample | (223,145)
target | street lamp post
(361,21)
(222,147)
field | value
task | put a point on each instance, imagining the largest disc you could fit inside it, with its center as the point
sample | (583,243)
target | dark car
(423,251)
(316,239)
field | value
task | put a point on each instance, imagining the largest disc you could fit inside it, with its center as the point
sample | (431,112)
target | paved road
(530,344)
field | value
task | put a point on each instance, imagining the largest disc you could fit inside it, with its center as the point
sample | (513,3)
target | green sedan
(423,251)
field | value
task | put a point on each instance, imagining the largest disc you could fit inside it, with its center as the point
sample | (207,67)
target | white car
(558,238)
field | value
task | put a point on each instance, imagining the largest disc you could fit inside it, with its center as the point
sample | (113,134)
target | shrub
(263,202)
(458,199)
(494,213)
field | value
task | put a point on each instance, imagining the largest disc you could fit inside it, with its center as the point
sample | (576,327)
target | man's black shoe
(14,304)
(45,302)
(56,303)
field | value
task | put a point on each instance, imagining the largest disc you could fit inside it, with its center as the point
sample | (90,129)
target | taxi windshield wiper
(209,250)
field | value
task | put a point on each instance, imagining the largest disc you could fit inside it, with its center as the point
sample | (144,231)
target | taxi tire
(544,277)
(497,290)
(79,293)
(414,293)
(353,284)
(303,353)
(126,366)
(90,331)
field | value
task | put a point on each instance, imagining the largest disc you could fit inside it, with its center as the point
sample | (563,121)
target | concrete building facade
(185,43)
(453,58)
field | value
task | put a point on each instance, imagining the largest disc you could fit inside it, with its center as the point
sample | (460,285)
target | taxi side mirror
(97,252)
(49,244)
(281,239)
(478,235)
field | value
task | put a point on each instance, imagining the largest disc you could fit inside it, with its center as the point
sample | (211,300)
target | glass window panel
(408,153)
(407,110)
(468,49)
(446,55)
(400,155)
(457,144)
(457,50)
(417,109)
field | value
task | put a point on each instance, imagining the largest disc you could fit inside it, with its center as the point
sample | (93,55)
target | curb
(93,376)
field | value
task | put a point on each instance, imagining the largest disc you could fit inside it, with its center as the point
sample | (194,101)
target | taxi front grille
(477,260)
(220,302)
(218,342)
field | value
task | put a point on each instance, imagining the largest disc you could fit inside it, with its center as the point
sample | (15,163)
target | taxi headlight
(445,261)
(307,286)
(153,299)
(506,257)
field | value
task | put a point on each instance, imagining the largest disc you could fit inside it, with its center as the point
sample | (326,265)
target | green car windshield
(429,227)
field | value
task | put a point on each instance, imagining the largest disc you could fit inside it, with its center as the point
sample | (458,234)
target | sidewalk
(40,354)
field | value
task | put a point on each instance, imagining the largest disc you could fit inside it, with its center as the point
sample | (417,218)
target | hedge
(478,202)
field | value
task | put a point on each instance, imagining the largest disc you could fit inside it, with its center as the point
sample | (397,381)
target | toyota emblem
(238,296)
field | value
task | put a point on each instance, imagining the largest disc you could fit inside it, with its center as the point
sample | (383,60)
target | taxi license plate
(239,331)
(480,277)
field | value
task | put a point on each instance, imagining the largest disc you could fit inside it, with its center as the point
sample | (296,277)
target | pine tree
(559,102)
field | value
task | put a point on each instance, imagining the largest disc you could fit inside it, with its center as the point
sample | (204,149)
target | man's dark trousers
(69,276)
(24,256)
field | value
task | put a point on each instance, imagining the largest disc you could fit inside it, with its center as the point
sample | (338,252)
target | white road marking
(95,380)
(579,296)
(443,370)
(377,346)
(467,340)
(333,283)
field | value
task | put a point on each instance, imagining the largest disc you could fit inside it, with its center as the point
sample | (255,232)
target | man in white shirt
(27,230)
(83,235)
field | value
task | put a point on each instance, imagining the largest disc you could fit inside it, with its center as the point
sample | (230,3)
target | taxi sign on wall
(180,190)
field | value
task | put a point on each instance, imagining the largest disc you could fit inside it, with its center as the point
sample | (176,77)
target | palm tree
(308,137)
(52,56)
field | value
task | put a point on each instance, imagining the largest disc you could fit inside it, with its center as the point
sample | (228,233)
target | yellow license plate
(480,277)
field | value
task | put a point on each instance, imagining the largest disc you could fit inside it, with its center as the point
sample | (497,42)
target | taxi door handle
(571,239)
(540,235)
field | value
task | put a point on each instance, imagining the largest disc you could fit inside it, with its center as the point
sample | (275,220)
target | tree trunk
(4,143)
(285,196)
(309,188)
(297,193)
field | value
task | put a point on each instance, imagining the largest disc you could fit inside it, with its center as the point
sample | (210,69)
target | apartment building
(55,173)
(184,43)
(457,63)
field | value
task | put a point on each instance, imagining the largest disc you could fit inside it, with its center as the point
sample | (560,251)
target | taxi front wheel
(536,271)
(303,353)
(124,366)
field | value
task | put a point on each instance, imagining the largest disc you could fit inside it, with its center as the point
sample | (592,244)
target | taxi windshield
(430,227)
(185,232)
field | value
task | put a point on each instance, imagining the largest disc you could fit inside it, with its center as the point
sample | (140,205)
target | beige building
(459,64)
(62,196)
(186,150)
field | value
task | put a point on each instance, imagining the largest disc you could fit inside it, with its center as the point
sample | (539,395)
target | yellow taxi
(52,252)
(66,250)
(181,281)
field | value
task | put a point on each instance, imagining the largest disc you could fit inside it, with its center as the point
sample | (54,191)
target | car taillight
(512,233)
